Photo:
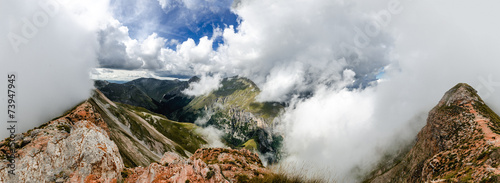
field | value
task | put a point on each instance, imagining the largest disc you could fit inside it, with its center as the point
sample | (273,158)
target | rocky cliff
(73,148)
(233,108)
(459,143)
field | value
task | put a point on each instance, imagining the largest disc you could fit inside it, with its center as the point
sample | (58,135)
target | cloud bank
(347,131)
(50,47)
(273,39)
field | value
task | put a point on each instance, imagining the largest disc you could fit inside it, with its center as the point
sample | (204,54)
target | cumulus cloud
(142,17)
(204,86)
(52,50)
(119,51)
(313,41)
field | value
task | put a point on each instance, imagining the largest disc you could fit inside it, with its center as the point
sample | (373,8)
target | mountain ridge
(458,144)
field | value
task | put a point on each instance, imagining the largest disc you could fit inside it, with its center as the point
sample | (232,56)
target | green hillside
(142,136)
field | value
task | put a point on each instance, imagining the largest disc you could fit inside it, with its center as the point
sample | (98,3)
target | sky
(374,68)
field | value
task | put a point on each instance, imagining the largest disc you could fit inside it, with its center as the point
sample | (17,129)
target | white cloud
(119,51)
(195,5)
(291,46)
(53,63)
(309,40)
(203,87)
(190,52)
(212,135)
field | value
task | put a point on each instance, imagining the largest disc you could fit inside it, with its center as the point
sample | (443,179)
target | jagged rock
(170,158)
(72,148)
(206,165)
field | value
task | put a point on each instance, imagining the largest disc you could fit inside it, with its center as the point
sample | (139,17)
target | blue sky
(175,21)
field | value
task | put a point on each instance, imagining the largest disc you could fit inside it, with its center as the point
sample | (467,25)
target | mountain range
(131,132)
(232,108)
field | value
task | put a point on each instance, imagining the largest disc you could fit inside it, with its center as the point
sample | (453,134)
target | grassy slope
(183,134)
(128,94)
(155,88)
(250,145)
(136,139)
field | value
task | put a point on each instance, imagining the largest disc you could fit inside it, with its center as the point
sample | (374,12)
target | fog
(343,130)
(51,47)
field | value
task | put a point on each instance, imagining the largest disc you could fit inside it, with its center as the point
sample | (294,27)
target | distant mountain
(156,88)
(162,96)
(127,94)
(460,143)
(231,108)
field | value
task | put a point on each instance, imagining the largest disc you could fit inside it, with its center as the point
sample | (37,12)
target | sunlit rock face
(73,148)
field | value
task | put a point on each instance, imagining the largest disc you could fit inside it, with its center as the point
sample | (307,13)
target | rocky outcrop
(73,148)
(458,143)
(206,165)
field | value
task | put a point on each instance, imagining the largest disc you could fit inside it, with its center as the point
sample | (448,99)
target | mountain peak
(194,79)
(460,94)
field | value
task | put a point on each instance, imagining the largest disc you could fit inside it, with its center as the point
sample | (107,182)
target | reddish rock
(72,148)
(206,165)
(458,143)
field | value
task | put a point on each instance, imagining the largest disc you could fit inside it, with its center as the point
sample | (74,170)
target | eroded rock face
(72,148)
(206,165)
(458,144)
